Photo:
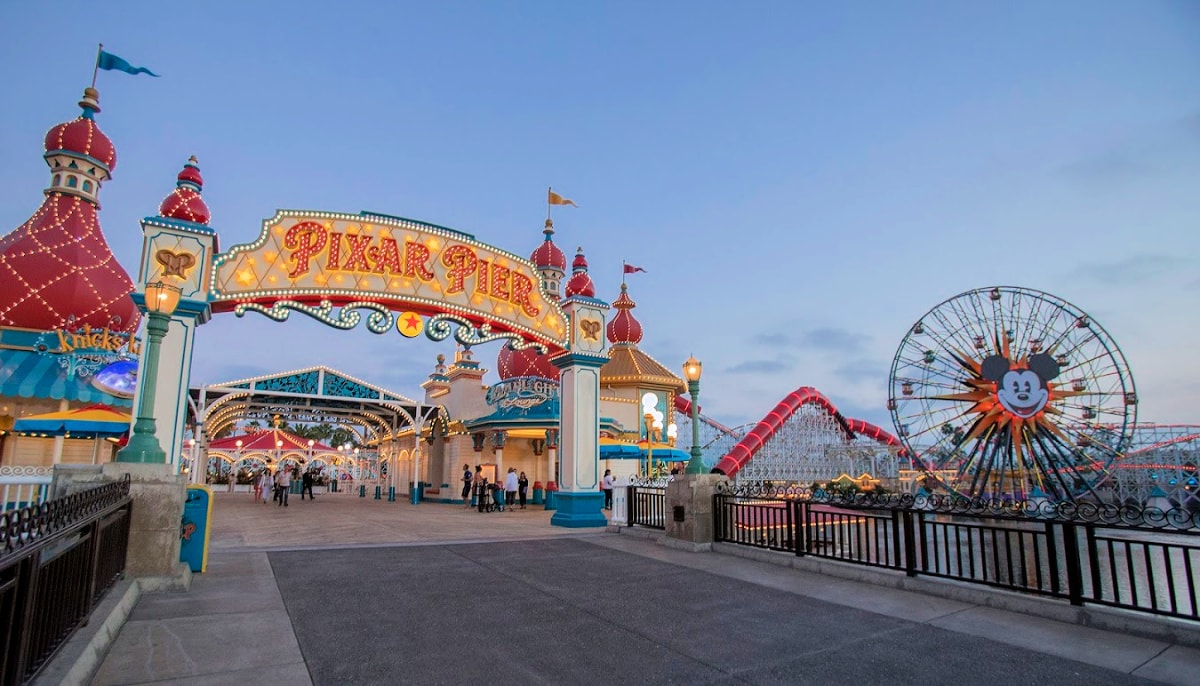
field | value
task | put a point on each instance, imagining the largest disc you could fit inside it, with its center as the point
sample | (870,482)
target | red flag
(630,269)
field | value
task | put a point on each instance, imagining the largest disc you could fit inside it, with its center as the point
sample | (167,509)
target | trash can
(537,493)
(195,529)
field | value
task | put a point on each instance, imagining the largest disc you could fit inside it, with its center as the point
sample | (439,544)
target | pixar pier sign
(321,258)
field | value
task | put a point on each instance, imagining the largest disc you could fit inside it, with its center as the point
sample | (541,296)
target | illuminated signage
(85,351)
(313,257)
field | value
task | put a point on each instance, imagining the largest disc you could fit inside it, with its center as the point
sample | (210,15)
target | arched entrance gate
(388,423)
(408,277)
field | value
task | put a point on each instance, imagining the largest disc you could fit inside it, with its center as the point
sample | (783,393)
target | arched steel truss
(308,396)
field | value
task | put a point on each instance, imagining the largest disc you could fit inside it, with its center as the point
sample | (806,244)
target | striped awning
(29,374)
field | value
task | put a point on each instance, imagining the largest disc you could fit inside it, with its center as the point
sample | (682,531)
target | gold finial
(91,99)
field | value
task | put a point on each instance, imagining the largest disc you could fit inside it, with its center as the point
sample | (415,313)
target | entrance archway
(408,276)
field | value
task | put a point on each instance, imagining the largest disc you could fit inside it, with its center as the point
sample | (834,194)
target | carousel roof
(628,366)
(267,439)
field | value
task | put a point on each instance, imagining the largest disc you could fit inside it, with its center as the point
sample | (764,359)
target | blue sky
(802,181)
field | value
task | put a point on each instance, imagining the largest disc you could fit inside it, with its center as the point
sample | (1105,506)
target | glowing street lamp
(160,302)
(691,371)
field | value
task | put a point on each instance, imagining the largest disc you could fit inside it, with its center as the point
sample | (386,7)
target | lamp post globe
(160,300)
(691,371)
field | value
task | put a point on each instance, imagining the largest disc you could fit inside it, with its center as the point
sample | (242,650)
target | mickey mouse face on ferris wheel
(1023,392)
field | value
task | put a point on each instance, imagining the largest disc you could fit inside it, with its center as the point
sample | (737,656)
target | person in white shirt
(283,482)
(607,485)
(511,483)
(266,484)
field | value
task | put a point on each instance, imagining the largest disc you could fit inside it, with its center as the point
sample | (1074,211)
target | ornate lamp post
(160,301)
(691,371)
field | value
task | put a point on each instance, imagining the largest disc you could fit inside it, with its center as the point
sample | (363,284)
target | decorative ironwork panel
(305,383)
(342,387)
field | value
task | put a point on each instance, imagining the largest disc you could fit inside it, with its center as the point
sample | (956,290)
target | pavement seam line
(1154,657)
(291,620)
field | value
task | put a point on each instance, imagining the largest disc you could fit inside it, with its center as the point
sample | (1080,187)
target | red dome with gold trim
(624,327)
(83,135)
(184,202)
(548,254)
(56,269)
(527,362)
(580,283)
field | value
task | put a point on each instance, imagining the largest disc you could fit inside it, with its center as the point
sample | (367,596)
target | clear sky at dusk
(801,181)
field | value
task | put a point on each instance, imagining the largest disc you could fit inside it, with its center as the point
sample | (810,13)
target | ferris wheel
(1004,392)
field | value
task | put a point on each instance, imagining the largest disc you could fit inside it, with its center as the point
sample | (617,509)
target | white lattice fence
(22,486)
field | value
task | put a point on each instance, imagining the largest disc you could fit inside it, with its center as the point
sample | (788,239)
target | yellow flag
(556,199)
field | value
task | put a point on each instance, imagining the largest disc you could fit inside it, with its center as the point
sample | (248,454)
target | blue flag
(110,62)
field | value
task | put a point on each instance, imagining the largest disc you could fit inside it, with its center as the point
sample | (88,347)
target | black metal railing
(1146,560)
(57,560)
(648,507)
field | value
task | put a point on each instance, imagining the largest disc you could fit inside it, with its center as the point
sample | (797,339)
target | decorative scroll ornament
(650,482)
(441,326)
(380,320)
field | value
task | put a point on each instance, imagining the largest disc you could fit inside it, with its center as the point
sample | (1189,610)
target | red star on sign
(409,325)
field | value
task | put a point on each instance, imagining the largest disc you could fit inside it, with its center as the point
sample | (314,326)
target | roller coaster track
(777,419)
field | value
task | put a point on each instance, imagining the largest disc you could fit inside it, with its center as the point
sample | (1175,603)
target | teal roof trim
(28,374)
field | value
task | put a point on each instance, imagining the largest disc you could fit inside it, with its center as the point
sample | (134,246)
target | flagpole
(622,272)
(549,189)
(96,69)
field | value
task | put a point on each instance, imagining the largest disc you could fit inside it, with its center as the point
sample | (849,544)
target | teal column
(143,445)
(695,465)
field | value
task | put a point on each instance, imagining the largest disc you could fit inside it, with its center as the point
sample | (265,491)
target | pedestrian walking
(283,484)
(307,485)
(266,485)
(522,488)
(256,486)
(511,482)
(467,480)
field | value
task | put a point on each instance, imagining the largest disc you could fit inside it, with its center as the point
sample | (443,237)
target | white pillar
(500,438)
(551,455)
(579,501)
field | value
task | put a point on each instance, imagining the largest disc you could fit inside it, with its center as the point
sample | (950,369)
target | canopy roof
(85,422)
(30,374)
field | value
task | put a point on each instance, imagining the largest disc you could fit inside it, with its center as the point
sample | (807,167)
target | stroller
(497,498)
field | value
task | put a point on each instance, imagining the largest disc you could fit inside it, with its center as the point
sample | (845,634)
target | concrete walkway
(355,591)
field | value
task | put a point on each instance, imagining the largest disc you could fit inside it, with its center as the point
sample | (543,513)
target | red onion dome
(57,271)
(512,363)
(580,283)
(624,327)
(82,135)
(184,202)
(548,254)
